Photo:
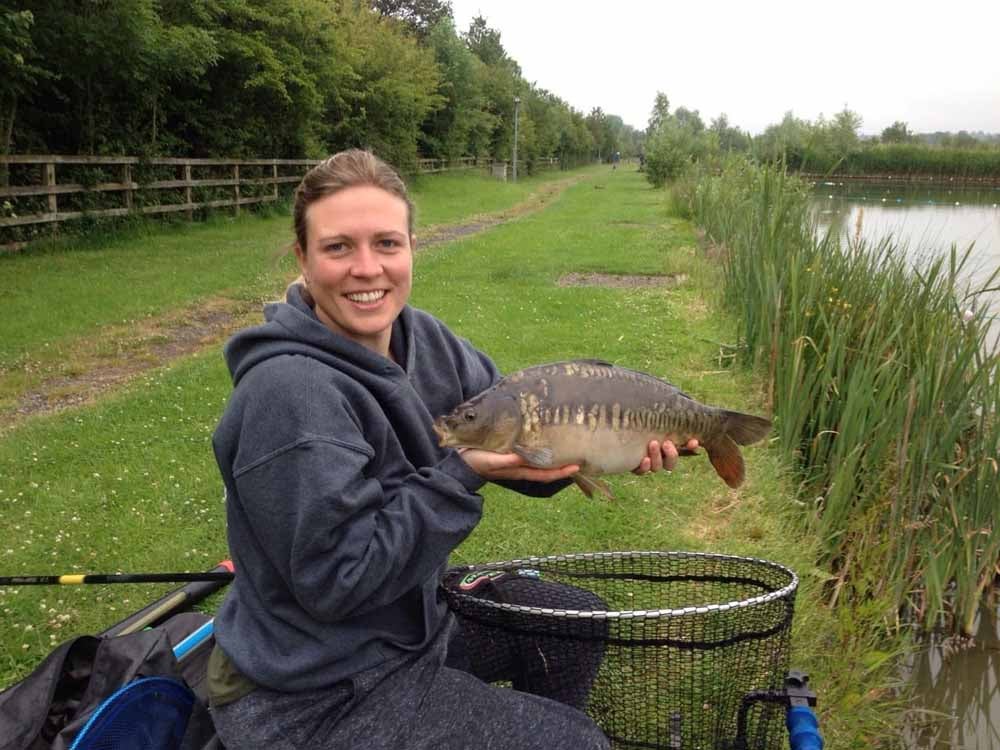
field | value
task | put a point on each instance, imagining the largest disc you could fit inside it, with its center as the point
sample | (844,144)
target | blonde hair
(352,168)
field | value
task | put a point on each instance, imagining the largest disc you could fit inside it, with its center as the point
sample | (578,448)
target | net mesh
(148,714)
(658,647)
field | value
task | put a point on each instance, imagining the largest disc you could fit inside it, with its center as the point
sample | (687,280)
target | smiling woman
(357,263)
(342,509)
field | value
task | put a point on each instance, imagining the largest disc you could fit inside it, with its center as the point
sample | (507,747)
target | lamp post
(517,105)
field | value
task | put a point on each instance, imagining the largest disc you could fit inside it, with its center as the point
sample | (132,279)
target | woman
(342,509)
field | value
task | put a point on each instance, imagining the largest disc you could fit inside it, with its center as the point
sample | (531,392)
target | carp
(599,416)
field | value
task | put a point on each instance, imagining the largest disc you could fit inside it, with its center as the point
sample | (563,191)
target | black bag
(49,707)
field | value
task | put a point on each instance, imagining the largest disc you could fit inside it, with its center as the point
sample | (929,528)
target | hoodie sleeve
(343,540)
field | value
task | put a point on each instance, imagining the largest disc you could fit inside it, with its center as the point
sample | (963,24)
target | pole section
(517,106)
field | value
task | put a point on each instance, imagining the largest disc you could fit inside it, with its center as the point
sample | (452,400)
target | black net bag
(659,648)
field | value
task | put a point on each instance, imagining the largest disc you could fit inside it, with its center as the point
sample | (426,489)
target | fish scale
(597,415)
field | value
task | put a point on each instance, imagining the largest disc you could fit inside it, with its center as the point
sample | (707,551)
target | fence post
(274,186)
(187,191)
(127,180)
(236,188)
(49,180)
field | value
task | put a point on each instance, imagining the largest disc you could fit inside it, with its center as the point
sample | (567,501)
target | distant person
(342,509)
(642,160)
(617,157)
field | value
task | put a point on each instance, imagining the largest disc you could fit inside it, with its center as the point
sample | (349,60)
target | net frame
(642,651)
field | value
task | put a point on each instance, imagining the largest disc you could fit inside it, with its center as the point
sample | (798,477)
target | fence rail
(259,182)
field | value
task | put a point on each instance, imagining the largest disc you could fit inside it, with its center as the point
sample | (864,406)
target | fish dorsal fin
(595,362)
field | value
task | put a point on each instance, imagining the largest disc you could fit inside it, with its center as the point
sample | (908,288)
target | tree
(461,125)
(419,15)
(689,119)
(898,132)
(844,131)
(660,113)
(18,73)
(672,147)
(485,44)
(729,138)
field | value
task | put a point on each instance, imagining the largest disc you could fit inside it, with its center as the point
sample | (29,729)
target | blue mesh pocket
(149,714)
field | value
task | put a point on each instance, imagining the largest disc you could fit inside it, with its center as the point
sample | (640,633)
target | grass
(67,304)
(130,484)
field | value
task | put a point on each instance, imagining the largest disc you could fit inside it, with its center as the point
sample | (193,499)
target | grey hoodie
(341,508)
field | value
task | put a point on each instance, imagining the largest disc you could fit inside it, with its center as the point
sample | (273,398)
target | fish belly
(604,451)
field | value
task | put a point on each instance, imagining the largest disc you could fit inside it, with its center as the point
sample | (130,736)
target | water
(926,221)
(957,682)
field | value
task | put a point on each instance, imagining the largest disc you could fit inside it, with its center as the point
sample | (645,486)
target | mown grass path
(129,482)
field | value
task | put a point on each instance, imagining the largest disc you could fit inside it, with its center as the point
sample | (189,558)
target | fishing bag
(50,707)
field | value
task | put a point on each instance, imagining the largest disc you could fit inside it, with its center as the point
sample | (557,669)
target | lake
(927,220)
(957,681)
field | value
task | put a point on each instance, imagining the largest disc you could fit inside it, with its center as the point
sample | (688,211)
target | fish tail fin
(745,429)
(725,456)
(588,485)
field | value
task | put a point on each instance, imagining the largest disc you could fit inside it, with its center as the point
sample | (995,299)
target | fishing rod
(76,579)
(182,598)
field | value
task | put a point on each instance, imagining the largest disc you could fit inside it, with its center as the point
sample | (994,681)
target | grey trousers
(409,704)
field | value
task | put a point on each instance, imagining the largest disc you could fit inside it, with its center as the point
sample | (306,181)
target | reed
(882,389)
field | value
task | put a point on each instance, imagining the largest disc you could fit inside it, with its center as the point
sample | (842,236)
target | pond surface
(957,682)
(926,220)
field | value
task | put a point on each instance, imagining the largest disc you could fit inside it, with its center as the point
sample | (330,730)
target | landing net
(658,647)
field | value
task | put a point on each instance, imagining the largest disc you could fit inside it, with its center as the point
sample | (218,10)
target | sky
(934,66)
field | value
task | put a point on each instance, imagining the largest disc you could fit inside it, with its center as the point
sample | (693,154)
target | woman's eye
(387,243)
(336,247)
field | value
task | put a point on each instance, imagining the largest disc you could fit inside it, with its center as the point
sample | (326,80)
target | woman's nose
(366,262)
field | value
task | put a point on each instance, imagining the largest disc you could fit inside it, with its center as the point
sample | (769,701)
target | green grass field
(130,483)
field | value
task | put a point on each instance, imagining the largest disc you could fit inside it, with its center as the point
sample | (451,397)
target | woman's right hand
(494,466)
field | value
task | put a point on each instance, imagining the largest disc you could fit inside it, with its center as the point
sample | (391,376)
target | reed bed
(883,390)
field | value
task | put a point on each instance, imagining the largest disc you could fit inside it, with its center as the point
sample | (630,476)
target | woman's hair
(347,169)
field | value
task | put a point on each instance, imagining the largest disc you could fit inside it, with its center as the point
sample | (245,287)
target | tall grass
(881,386)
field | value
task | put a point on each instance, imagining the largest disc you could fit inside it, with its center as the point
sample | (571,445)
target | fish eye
(470,416)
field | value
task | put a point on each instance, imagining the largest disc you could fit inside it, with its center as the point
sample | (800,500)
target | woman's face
(358,264)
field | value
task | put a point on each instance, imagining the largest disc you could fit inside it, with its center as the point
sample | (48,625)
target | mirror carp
(598,415)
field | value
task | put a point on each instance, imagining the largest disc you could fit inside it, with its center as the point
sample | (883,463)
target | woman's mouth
(366,298)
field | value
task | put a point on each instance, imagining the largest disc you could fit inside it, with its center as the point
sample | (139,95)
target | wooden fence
(43,196)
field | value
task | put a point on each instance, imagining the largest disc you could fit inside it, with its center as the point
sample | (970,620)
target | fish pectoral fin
(726,458)
(534,456)
(589,484)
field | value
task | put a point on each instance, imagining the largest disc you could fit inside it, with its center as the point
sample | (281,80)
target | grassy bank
(89,300)
(130,483)
(883,396)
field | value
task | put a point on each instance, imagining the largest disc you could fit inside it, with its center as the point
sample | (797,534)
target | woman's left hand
(664,455)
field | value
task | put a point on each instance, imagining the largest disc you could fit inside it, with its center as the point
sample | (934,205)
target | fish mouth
(443,433)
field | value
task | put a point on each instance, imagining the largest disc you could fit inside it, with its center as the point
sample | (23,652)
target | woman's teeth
(366,297)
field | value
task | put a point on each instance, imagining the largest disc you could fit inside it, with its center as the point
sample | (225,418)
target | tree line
(277,79)
(674,139)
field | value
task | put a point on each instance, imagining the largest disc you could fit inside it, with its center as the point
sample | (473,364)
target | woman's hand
(493,466)
(664,456)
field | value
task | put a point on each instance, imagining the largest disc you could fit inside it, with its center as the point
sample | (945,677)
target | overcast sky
(934,66)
